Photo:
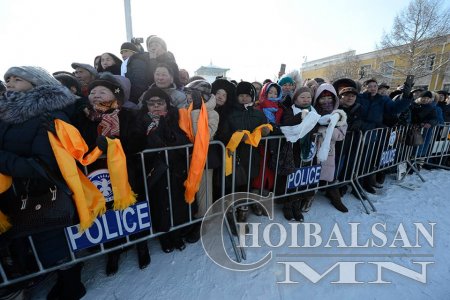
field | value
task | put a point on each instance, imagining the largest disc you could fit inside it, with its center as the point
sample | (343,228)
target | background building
(211,72)
(431,68)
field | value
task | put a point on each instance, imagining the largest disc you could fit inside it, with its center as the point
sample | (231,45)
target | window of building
(387,68)
(446,87)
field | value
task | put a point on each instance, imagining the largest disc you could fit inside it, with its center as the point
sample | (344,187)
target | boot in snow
(335,197)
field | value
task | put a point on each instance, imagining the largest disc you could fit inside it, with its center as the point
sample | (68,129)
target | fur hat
(285,79)
(35,75)
(348,89)
(129,46)
(442,92)
(156,39)
(87,67)
(426,94)
(247,88)
(110,82)
(344,82)
(223,84)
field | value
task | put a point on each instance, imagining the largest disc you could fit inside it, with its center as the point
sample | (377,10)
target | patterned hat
(202,86)
(35,75)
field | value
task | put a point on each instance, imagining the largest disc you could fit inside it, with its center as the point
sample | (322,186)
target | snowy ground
(192,275)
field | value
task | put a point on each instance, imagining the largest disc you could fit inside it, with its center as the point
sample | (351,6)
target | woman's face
(17,84)
(156,106)
(221,97)
(101,97)
(156,49)
(163,79)
(304,99)
(273,93)
(107,61)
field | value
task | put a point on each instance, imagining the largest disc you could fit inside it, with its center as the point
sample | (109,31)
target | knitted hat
(156,39)
(300,90)
(426,94)
(247,88)
(129,46)
(285,79)
(110,82)
(348,89)
(202,86)
(155,91)
(87,67)
(35,75)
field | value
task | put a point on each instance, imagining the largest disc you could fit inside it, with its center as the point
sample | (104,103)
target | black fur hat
(245,87)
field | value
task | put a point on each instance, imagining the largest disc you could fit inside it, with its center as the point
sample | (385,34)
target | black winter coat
(23,137)
(241,118)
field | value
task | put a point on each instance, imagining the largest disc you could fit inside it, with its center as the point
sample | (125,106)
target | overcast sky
(252,38)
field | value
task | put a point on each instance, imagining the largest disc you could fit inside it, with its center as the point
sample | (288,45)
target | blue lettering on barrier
(111,225)
(387,157)
(304,176)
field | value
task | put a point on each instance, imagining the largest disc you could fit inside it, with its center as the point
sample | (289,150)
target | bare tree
(345,67)
(413,40)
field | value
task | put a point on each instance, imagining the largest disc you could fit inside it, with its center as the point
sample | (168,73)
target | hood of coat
(18,107)
(326,87)
(264,101)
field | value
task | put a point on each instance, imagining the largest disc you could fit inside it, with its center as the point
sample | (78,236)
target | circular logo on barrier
(392,138)
(312,152)
(100,178)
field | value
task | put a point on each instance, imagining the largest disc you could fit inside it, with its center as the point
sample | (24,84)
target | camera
(137,41)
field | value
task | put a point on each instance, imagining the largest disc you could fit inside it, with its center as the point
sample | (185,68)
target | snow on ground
(190,274)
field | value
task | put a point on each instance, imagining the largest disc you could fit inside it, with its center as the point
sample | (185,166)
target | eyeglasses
(159,102)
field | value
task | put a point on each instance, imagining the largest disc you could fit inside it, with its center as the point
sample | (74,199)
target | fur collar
(18,107)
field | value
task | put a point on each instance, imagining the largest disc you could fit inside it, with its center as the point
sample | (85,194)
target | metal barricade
(6,276)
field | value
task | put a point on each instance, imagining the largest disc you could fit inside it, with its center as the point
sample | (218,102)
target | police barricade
(116,230)
(435,150)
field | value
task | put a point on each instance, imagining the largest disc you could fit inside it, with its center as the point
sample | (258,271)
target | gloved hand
(102,143)
(48,122)
(407,86)
(265,131)
(196,100)
(324,120)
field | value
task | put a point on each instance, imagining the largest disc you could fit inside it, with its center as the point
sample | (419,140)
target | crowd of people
(147,102)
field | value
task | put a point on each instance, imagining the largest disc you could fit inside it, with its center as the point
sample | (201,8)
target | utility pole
(128,25)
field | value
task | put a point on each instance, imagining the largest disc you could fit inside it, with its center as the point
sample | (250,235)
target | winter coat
(141,69)
(423,113)
(445,111)
(167,134)
(374,108)
(328,166)
(23,137)
(243,118)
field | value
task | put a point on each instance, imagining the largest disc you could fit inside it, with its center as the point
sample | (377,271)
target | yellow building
(387,66)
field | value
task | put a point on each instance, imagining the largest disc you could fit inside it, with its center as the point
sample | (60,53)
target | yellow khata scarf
(252,139)
(200,152)
(68,146)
